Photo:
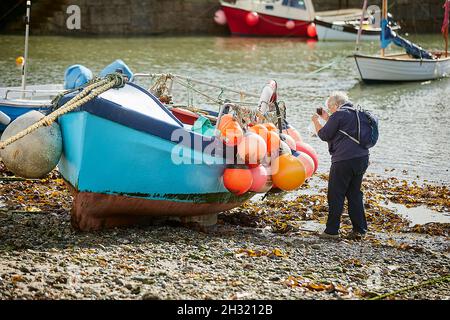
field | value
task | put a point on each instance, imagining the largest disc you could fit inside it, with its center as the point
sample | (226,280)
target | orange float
(230,130)
(288,172)
(270,127)
(238,180)
(273,142)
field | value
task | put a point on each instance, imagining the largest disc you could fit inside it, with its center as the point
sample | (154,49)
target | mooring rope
(90,92)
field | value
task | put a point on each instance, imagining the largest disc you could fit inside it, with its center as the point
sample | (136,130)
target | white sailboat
(414,65)
(344,25)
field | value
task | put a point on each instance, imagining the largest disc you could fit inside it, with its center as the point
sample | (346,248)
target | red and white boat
(288,18)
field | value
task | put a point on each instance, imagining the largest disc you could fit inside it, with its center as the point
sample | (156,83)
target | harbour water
(414,140)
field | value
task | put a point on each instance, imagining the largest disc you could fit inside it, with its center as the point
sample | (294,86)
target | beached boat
(416,64)
(122,163)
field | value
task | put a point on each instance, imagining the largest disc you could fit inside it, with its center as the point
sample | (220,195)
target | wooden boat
(118,159)
(416,64)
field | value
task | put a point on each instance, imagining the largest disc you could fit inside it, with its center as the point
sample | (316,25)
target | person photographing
(349,139)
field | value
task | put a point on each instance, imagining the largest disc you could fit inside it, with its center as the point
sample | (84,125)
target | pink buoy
(290,24)
(220,18)
(290,141)
(293,133)
(308,163)
(306,148)
(260,179)
(252,149)
(252,19)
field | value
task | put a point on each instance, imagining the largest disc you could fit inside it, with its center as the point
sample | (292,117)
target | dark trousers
(345,182)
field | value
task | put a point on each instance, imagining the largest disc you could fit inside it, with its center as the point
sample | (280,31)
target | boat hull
(122,167)
(389,69)
(268,26)
(327,31)
(95,211)
(15,102)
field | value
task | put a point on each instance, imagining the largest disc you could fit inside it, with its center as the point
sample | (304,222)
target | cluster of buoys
(264,158)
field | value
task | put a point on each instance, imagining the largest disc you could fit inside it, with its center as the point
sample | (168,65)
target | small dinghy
(120,162)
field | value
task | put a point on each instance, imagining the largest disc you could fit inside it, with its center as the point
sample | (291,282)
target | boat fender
(114,67)
(4,119)
(36,154)
(76,76)
(268,96)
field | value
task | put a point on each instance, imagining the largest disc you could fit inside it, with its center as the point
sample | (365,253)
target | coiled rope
(115,80)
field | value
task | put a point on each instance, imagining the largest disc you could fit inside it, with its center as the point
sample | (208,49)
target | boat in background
(416,64)
(291,18)
(344,25)
(16,101)
(269,18)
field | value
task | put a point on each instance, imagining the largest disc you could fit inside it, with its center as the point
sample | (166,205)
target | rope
(88,93)
(428,282)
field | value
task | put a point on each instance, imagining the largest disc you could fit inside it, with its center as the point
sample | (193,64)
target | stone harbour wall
(186,17)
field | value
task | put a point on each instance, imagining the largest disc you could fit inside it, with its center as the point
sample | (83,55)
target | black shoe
(328,236)
(356,235)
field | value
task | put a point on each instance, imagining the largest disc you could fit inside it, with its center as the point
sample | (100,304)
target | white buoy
(36,154)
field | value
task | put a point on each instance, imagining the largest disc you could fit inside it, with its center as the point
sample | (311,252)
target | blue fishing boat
(126,158)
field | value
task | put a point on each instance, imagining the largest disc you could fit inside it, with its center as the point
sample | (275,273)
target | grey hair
(337,98)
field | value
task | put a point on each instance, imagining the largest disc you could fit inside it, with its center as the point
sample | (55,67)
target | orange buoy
(260,179)
(270,127)
(238,180)
(273,142)
(288,172)
(260,130)
(252,149)
(20,61)
(308,163)
(230,130)
(306,148)
(224,121)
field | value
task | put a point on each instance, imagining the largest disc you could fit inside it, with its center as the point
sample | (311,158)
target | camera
(319,111)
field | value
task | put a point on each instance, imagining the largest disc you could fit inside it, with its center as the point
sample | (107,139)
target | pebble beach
(259,251)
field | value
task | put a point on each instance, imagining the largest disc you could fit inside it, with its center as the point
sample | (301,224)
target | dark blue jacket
(340,146)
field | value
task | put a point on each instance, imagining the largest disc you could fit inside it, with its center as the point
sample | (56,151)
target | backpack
(367,127)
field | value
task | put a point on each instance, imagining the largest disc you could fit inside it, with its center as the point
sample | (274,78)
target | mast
(27,32)
(361,25)
(383,17)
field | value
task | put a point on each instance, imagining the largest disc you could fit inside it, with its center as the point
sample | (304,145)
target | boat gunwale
(391,58)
